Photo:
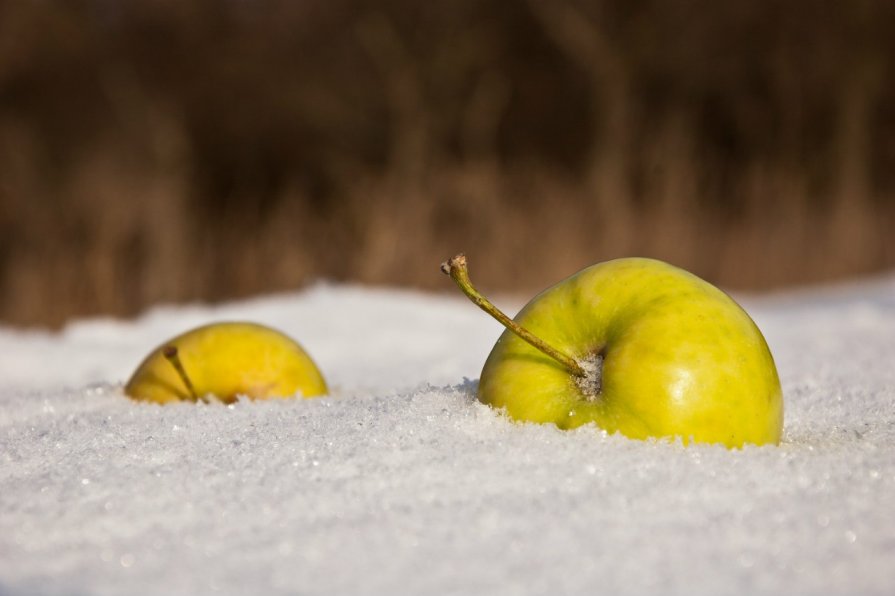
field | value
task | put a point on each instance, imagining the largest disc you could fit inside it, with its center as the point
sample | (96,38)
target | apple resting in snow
(226,360)
(635,346)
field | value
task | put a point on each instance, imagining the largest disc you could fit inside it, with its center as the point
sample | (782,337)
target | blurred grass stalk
(156,152)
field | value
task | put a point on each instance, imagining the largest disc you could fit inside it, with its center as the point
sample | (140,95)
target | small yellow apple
(226,360)
(635,346)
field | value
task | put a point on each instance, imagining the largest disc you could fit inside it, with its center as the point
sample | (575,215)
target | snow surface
(401,483)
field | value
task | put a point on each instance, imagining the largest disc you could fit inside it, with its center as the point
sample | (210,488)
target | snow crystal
(401,482)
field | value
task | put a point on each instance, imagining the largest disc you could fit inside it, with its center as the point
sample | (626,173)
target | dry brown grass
(162,152)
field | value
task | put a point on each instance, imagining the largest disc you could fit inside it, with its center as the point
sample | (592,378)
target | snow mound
(402,483)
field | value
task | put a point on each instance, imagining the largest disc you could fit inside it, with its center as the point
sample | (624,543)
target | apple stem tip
(172,355)
(455,262)
(458,270)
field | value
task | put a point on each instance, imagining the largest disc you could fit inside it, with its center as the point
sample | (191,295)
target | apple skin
(227,360)
(681,359)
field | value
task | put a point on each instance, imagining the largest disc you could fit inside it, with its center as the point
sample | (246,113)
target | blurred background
(165,151)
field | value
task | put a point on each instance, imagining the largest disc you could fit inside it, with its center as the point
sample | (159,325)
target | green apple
(635,346)
(226,360)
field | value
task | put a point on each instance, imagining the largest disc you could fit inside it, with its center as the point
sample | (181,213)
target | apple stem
(456,268)
(171,355)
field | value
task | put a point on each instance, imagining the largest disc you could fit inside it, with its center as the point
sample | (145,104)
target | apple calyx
(588,375)
(171,355)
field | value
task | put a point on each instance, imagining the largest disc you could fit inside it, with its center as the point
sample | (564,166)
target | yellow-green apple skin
(228,360)
(680,359)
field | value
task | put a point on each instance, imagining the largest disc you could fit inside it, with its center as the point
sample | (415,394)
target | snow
(401,483)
